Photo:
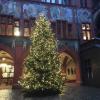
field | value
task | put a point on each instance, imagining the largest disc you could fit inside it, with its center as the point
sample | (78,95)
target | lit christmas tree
(42,71)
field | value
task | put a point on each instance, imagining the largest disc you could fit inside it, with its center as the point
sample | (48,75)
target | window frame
(86,32)
(10,23)
(16,26)
(26,27)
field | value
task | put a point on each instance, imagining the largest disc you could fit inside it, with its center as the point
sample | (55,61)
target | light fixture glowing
(3,59)
(17,33)
(7,70)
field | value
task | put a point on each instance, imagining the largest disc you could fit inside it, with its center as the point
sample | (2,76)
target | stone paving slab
(71,92)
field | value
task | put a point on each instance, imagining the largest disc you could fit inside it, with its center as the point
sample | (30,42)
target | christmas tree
(42,67)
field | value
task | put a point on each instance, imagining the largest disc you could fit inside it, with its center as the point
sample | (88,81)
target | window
(61,29)
(32,24)
(58,29)
(26,28)
(57,2)
(86,31)
(69,29)
(83,3)
(16,28)
(6,25)
(64,29)
(49,1)
(62,1)
(3,19)
(3,29)
(53,26)
(53,1)
(3,22)
(10,26)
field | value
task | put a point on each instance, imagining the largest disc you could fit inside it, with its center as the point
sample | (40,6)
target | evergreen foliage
(42,71)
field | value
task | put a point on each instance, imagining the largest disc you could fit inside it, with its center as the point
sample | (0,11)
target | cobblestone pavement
(71,92)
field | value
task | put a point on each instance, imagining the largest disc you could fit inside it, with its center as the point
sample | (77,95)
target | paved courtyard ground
(72,92)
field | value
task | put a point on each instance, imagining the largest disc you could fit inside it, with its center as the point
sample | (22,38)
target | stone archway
(6,69)
(68,67)
(73,58)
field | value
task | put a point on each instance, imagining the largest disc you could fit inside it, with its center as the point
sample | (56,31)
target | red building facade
(71,21)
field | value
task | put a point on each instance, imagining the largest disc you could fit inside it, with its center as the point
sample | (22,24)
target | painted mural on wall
(33,10)
(61,13)
(84,15)
(54,13)
(10,8)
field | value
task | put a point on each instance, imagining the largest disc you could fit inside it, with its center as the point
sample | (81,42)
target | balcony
(90,45)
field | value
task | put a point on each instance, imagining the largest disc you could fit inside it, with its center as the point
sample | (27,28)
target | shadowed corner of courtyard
(70,92)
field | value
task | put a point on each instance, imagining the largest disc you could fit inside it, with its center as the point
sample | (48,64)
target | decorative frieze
(84,15)
(27,10)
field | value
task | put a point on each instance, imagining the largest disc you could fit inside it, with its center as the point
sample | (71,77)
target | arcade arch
(6,68)
(68,67)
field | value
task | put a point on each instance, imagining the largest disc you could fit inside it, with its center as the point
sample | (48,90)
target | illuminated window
(53,1)
(64,2)
(86,31)
(67,2)
(48,0)
(16,28)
